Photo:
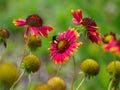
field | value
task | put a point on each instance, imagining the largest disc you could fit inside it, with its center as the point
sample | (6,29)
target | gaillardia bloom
(113,46)
(89,24)
(34,23)
(64,46)
(108,37)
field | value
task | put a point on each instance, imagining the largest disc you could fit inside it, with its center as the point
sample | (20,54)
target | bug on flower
(54,39)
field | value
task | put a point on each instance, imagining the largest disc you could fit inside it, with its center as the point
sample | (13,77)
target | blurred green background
(57,13)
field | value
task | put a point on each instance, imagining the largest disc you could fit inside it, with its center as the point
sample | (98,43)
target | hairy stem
(19,78)
(74,72)
(80,83)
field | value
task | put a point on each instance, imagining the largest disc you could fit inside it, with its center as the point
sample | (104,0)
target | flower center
(62,45)
(88,22)
(34,20)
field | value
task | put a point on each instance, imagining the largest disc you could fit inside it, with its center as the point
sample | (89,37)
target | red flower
(34,23)
(90,25)
(113,46)
(64,46)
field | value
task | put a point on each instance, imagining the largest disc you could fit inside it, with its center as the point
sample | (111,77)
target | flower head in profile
(89,24)
(34,23)
(113,46)
(108,37)
(64,46)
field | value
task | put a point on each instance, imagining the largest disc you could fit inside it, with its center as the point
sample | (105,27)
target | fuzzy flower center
(34,20)
(88,22)
(62,45)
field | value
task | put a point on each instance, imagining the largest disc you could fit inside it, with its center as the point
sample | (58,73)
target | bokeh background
(57,13)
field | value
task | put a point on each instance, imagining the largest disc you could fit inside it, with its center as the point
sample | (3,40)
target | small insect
(54,39)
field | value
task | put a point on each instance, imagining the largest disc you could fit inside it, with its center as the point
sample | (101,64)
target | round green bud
(56,83)
(9,73)
(31,63)
(34,41)
(42,87)
(90,67)
(114,67)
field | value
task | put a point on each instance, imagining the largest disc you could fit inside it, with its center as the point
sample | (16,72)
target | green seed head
(57,83)
(90,67)
(31,63)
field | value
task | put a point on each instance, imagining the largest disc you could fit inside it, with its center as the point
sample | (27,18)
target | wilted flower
(34,23)
(4,34)
(90,67)
(8,74)
(64,46)
(57,83)
(89,24)
(31,63)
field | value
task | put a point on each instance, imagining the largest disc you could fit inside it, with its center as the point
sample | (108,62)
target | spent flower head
(90,67)
(8,73)
(4,34)
(64,46)
(56,83)
(34,23)
(89,24)
(31,63)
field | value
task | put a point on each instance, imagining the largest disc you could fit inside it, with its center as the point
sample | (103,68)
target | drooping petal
(44,30)
(77,16)
(35,31)
(26,32)
(19,22)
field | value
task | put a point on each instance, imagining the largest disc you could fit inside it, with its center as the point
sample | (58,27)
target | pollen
(62,45)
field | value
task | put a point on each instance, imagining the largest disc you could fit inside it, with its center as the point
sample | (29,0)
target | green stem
(80,83)
(60,67)
(19,78)
(110,85)
(29,81)
(73,76)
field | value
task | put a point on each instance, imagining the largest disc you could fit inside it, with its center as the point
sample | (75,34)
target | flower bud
(31,63)
(57,83)
(34,41)
(90,67)
(8,74)
(114,67)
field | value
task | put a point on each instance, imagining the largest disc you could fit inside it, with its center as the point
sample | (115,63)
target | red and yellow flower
(89,24)
(34,23)
(64,46)
(113,46)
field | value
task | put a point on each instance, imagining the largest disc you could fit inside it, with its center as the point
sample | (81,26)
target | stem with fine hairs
(74,72)
(19,78)
(80,83)
(59,68)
